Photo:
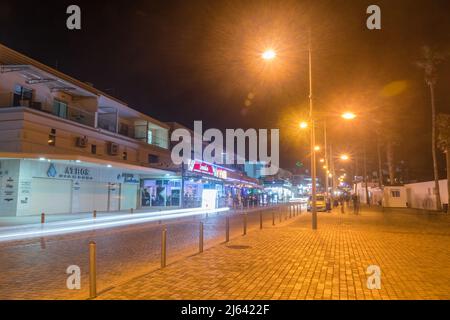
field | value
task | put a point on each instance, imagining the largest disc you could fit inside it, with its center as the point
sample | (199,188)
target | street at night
(225,159)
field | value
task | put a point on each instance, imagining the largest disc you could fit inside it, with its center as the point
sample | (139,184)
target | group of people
(347,199)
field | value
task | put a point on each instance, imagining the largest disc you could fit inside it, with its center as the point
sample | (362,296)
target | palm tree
(443,142)
(429,63)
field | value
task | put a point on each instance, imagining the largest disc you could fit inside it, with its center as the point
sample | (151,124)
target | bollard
(273,218)
(260,220)
(42,217)
(163,247)
(131,210)
(94,214)
(290,212)
(92,270)
(200,241)
(245,224)
(227,229)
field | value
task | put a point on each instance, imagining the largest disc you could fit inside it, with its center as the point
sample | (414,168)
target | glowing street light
(348,115)
(303,125)
(317,148)
(269,54)
(344,157)
(322,160)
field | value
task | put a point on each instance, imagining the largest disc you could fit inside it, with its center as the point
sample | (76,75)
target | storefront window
(161,193)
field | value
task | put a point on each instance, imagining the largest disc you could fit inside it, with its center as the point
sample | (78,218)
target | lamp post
(270,54)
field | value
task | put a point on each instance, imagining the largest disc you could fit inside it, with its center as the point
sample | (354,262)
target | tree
(430,61)
(443,142)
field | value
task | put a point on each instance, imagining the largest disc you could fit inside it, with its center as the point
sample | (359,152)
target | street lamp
(303,125)
(348,115)
(269,54)
(344,157)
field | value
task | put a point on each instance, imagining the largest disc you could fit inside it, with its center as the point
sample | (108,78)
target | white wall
(421,195)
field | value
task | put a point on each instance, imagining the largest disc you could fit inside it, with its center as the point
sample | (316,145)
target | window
(60,109)
(22,96)
(123,129)
(153,158)
(395,193)
(93,149)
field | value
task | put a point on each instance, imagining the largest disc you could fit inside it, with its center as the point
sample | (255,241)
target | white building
(422,195)
(66,147)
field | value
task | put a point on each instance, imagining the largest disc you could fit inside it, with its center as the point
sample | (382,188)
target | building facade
(66,147)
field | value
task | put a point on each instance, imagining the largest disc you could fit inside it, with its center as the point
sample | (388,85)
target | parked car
(321,203)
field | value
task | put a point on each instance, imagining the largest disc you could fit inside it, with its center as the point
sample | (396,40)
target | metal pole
(332,171)
(163,247)
(200,241)
(260,220)
(94,214)
(92,270)
(326,156)
(273,218)
(245,223)
(227,229)
(313,139)
(42,217)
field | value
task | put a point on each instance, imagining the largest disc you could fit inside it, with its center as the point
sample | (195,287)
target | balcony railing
(68,112)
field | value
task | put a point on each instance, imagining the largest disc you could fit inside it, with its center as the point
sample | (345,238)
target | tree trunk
(365,177)
(447,154)
(390,161)
(380,171)
(433,150)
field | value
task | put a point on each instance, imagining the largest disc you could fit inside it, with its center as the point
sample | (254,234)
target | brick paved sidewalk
(294,262)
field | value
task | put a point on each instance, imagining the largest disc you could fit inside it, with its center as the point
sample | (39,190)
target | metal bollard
(245,224)
(227,229)
(42,217)
(260,220)
(131,210)
(200,238)
(273,218)
(163,247)
(92,270)
(94,214)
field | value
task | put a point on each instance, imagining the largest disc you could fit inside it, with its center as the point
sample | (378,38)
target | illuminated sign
(206,168)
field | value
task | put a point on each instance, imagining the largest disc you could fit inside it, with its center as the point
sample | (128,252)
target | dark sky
(199,60)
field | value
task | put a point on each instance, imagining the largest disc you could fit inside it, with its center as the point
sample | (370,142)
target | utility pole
(326,156)
(313,140)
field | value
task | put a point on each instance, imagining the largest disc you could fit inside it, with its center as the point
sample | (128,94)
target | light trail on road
(58,228)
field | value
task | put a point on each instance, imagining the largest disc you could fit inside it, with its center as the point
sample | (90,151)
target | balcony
(56,108)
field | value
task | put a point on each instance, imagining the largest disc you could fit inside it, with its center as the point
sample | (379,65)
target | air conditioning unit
(113,149)
(82,142)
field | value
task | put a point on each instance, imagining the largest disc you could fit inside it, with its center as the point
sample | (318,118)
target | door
(114,196)
(93,196)
(50,196)
(128,196)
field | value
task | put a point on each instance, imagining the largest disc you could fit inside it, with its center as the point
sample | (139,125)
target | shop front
(30,187)
(161,192)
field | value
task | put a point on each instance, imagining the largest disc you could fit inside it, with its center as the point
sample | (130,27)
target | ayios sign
(234,149)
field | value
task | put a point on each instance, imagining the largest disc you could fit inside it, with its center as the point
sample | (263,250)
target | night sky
(200,60)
